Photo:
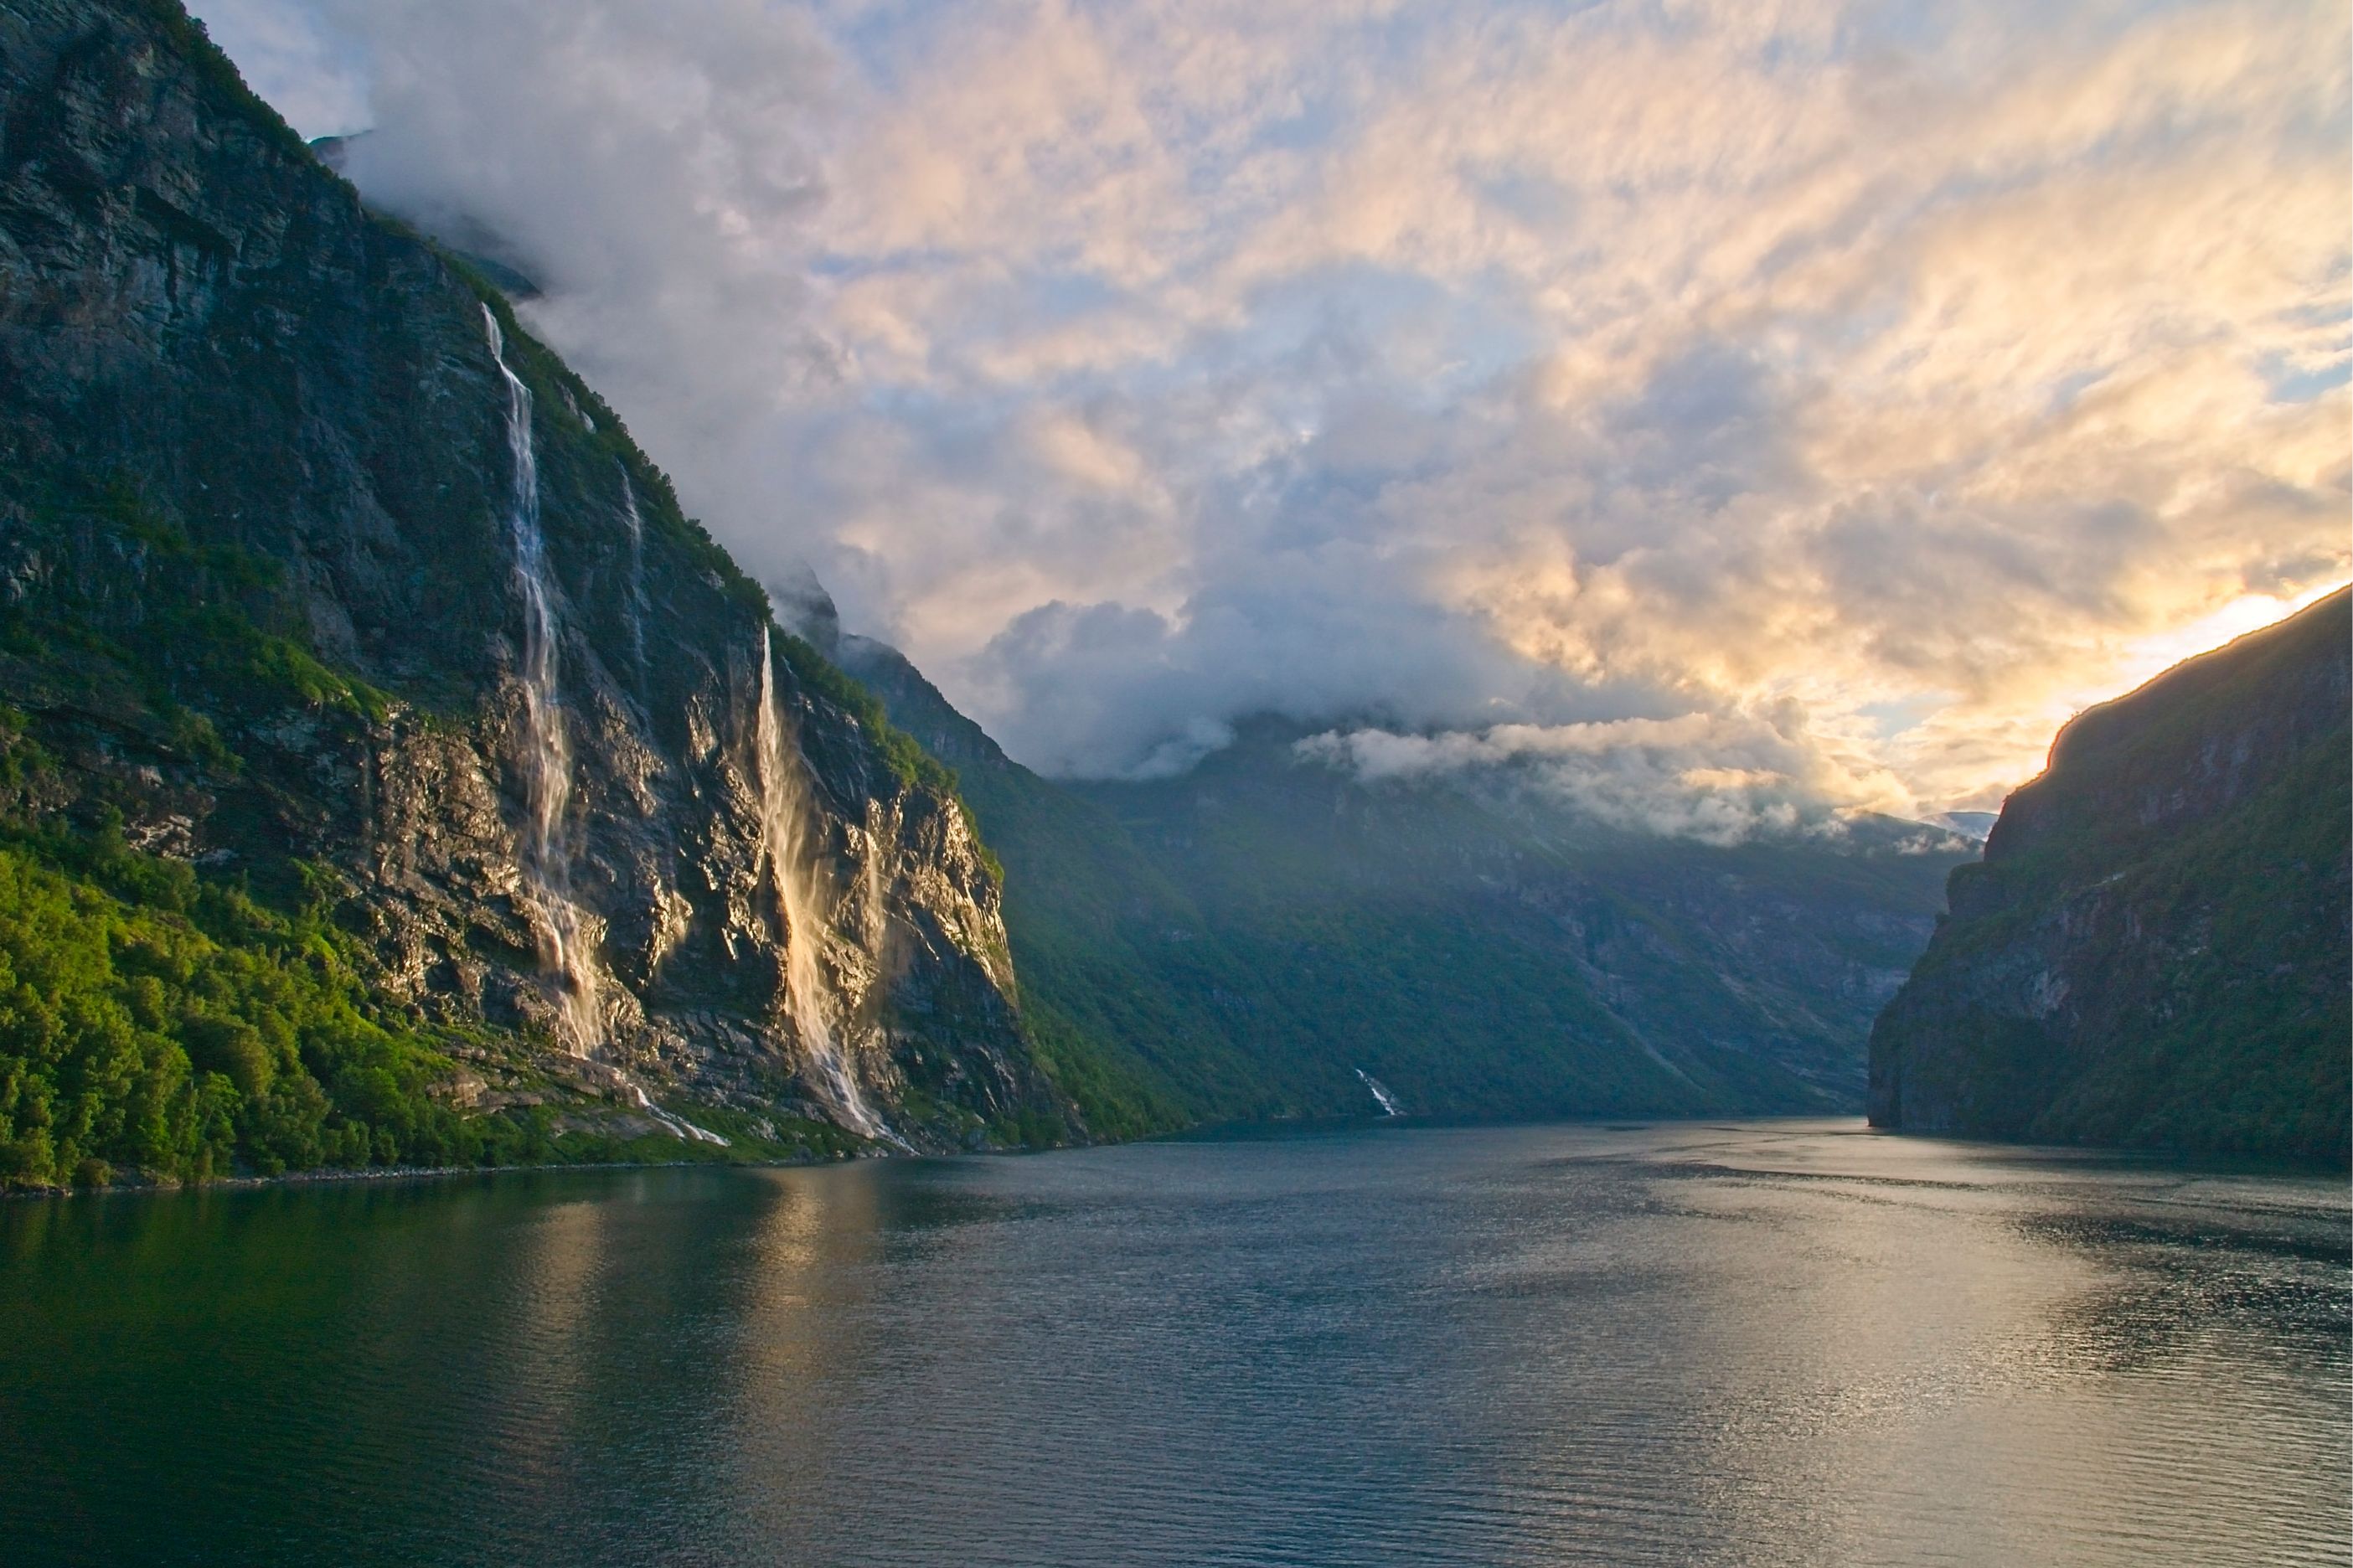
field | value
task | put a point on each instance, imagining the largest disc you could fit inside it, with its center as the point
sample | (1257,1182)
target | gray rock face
(2155,949)
(238,412)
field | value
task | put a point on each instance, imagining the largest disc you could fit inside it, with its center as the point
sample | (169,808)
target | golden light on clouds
(1889,382)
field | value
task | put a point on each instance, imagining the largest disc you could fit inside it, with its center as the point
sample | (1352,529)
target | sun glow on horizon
(1900,382)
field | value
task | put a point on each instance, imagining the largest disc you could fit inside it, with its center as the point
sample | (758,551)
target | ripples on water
(1764,1343)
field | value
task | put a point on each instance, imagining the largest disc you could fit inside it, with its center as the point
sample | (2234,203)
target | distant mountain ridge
(2155,949)
(1967,823)
(1245,940)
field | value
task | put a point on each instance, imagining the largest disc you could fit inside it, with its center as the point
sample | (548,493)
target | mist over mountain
(1141,369)
(1974,825)
(390,772)
(1406,612)
(1253,937)
(345,619)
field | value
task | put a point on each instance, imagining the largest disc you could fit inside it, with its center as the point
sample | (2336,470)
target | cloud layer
(1907,375)
(1722,779)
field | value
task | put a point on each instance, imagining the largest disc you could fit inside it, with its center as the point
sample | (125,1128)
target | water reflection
(1771,1343)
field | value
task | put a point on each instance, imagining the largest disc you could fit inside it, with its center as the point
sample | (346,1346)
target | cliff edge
(446,779)
(2155,949)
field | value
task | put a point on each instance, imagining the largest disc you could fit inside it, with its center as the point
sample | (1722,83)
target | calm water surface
(1762,1343)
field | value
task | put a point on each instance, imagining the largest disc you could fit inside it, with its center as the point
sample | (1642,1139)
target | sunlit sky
(1749,407)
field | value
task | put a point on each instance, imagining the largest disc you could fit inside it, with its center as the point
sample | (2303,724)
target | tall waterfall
(786,845)
(547,754)
(637,575)
(1381,1096)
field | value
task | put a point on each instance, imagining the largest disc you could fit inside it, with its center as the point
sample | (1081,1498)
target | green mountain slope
(394,772)
(1127,994)
(2155,949)
(1241,941)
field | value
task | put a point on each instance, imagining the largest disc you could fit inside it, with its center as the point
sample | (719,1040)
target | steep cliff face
(2155,949)
(319,574)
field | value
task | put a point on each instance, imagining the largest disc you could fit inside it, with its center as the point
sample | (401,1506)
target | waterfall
(547,859)
(1381,1096)
(562,931)
(637,575)
(678,1127)
(785,843)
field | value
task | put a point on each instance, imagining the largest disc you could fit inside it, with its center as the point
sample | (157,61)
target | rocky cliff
(320,576)
(2155,949)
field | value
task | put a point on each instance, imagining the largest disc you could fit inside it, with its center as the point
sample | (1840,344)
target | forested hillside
(395,774)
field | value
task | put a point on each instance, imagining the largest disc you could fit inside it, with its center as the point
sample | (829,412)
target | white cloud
(1906,373)
(1719,778)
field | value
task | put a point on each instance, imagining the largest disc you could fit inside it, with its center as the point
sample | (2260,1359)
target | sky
(1727,414)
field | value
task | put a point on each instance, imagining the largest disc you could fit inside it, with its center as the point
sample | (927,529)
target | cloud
(1718,778)
(651,167)
(1907,375)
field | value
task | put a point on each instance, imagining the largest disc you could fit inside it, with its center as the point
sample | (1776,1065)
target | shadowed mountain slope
(1242,941)
(2155,949)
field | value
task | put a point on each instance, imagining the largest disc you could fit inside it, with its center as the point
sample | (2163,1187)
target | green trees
(152,1018)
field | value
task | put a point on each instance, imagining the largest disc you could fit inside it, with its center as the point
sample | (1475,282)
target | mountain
(1967,823)
(391,772)
(1124,988)
(2155,949)
(1245,940)
(469,240)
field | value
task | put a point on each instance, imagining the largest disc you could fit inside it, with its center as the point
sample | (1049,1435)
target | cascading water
(547,857)
(547,752)
(785,844)
(636,574)
(1381,1096)
(678,1127)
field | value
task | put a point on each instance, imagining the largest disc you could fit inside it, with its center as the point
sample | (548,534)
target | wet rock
(235,394)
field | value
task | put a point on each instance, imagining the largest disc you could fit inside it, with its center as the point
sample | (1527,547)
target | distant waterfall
(785,843)
(678,1127)
(636,574)
(1382,1097)
(547,754)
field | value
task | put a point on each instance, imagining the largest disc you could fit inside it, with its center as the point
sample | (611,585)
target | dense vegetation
(2155,951)
(156,1019)
(168,1024)
(150,1019)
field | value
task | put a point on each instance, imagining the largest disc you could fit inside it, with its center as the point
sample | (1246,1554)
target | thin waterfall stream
(561,929)
(785,844)
(546,857)
(636,574)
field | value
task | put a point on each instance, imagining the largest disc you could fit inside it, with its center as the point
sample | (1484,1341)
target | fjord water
(1759,1343)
